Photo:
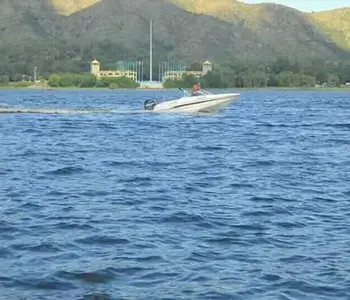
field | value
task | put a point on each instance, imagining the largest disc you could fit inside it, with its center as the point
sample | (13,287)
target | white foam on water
(19,110)
(5,109)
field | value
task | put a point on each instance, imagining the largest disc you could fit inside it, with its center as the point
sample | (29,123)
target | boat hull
(201,104)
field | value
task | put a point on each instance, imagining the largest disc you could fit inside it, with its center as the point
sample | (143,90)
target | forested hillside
(64,36)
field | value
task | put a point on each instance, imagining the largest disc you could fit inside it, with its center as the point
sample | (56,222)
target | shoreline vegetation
(30,86)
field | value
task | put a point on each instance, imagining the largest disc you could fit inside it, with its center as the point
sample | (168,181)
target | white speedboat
(201,101)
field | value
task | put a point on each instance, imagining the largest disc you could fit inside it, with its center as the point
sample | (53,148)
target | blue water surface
(250,203)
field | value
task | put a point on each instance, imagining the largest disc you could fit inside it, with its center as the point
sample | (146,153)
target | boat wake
(19,110)
(3,105)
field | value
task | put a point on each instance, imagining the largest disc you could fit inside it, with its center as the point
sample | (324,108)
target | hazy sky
(307,5)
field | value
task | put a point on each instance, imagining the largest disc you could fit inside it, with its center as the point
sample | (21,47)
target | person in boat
(196,89)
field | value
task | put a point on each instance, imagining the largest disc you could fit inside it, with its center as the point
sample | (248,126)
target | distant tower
(207,67)
(95,68)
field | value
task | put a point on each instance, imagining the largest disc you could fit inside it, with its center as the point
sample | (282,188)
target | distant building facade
(176,75)
(95,69)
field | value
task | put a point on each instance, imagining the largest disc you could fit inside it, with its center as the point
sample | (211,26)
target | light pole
(35,74)
(151,51)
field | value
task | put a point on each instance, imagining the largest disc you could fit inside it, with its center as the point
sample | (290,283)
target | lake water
(251,203)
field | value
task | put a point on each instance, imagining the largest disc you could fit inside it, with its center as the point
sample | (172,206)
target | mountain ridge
(331,22)
(335,23)
(70,7)
(66,35)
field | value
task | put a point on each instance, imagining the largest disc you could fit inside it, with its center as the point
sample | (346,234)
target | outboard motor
(149,104)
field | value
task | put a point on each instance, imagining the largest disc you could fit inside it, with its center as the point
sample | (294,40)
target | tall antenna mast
(150,51)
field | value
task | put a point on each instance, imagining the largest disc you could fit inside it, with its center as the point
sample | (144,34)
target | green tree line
(86,80)
(280,74)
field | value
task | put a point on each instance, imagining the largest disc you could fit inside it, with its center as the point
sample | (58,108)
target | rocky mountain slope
(65,35)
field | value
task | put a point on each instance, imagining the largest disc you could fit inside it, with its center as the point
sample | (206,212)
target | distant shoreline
(9,87)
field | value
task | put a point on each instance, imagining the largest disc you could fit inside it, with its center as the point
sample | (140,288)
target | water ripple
(101,203)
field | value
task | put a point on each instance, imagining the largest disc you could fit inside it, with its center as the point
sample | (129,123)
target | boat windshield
(199,93)
(194,93)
